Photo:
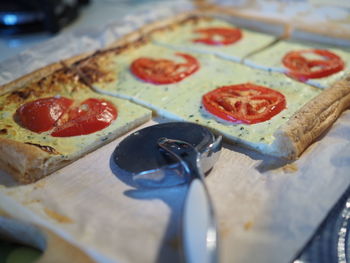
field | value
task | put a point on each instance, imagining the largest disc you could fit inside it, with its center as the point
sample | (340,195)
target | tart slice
(315,64)
(209,35)
(48,124)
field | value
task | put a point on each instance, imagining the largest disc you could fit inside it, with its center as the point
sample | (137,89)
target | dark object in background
(23,16)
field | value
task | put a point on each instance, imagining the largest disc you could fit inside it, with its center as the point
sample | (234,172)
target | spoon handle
(199,225)
(200,237)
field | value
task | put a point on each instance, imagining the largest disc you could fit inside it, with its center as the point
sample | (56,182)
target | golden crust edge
(18,158)
(311,121)
(38,74)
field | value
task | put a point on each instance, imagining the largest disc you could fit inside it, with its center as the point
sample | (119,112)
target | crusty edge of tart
(313,119)
(27,163)
(37,75)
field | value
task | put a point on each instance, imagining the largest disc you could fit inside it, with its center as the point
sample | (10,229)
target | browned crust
(37,75)
(26,163)
(312,120)
(47,70)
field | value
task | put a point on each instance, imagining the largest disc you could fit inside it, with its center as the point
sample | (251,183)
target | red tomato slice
(244,103)
(304,68)
(92,115)
(42,114)
(164,71)
(218,35)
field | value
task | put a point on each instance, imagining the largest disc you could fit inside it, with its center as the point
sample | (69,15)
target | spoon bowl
(139,154)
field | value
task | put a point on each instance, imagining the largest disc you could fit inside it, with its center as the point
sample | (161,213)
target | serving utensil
(139,154)
(175,153)
(200,234)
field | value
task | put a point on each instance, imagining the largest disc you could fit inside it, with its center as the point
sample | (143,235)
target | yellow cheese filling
(127,113)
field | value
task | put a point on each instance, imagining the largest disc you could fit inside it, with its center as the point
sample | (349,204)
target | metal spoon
(150,165)
(200,234)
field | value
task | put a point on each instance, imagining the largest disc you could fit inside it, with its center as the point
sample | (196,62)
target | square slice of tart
(210,35)
(315,64)
(307,115)
(50,123)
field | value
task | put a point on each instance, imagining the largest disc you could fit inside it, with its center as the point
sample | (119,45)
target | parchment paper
(91,211)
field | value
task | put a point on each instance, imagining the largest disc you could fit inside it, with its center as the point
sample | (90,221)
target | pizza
(258,91)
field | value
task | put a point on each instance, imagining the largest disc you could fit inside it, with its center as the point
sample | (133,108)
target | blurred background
(24,23)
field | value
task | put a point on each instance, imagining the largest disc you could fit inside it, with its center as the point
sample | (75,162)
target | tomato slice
(244,103)
(304,68)
(92,115)
(164,71)
(42,114)
(218,35)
